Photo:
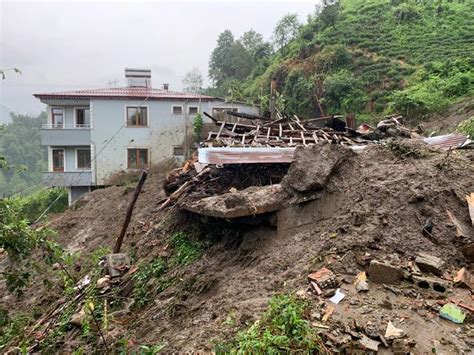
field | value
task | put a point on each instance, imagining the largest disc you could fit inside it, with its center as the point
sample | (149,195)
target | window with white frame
(177,110)
(193,110)
(83,158)
(82,117)
(57,117)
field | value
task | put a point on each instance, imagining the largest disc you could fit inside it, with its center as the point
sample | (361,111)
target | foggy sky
(70,45)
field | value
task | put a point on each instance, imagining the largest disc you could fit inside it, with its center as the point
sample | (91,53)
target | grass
(283,328)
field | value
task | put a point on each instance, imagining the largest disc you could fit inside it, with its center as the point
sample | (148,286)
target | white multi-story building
(93,134)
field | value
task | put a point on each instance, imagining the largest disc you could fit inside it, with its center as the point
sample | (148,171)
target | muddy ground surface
(372,207)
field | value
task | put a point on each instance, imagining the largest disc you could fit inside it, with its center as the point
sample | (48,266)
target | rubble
(369,344)
(384,273)
(470,203)
(360,282)
(117,264)
(430,263)
(464,278)
(338,297)
(392,332)
(430,283)
(325,278)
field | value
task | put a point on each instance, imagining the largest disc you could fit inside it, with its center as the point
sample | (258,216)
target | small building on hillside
(93,134)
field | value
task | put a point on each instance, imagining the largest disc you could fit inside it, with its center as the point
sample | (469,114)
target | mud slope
(373,206)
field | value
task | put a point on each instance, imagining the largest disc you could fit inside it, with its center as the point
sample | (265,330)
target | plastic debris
(337,297)
(453,313)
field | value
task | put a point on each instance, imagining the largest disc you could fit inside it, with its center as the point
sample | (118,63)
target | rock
(393,333)
(117,264)
(360,282)
(453,313)
(78,318)
(103,282)
(369,344)
(313,166)
(384,273)
(464,278)
(430,263)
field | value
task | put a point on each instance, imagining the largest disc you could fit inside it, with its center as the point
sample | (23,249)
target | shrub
(283,328)
(467,127)
(331,57)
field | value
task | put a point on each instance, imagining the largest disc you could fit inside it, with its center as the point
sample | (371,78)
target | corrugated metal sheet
(245,155)
(447,141)
(120,93)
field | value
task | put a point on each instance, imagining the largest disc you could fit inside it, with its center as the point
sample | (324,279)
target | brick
(384,273)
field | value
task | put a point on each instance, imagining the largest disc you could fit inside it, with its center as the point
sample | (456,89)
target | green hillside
(373,57)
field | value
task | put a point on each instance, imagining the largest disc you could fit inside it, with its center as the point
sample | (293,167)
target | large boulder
(313,166)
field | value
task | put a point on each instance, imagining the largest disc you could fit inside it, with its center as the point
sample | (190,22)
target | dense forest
(369,57)
(23,157)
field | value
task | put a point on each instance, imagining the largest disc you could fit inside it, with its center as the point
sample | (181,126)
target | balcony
(65,135)
(74,178)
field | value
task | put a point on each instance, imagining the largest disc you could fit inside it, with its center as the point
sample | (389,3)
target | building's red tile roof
(124,93)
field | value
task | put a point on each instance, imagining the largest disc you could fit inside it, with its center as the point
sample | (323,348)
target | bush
(467,127)
(282,329)
(331,57)
(343,91)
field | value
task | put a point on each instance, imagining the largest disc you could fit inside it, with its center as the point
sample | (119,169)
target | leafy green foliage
(467,127)
(20,146)
(13,329)
(19,240)
(285,30)
(283,328)
(185,250)
(409,56)
(198,124)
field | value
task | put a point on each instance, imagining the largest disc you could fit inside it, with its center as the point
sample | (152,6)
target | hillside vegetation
(369,57)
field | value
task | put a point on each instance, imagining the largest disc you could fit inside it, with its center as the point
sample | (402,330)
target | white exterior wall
(164,132)
(110,137)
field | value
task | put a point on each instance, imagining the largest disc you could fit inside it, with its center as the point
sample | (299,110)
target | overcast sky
(68,45)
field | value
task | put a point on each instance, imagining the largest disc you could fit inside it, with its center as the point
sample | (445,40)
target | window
(137,158)
(82,117)
(58,160)
(177,110)
(57,117)
(192,110)
(137,116)
(83,158)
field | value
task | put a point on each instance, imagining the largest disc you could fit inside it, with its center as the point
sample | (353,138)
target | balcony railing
(65,135)
(66,126)
(73,178)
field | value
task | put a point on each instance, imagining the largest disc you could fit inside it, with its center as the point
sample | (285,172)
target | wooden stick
(128,216)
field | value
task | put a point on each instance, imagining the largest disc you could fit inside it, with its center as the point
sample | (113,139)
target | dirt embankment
(373,206)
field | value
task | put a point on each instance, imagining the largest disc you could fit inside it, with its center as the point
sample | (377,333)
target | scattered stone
(316,288)
(384,341)
(371,330)
(386,304)
(384,273)
(369,344)
(464,278)
(428,227)
(430,263)
(393,333)
(329,311)
(78,318)
(329,293)
(394,290)
(470,202)
(360,282)
(325,278)
(103,282)
(453,313)
(117,264)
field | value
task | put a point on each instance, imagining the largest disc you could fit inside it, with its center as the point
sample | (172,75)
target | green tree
(286,30)
(221,63)
(20,146)
(192,81)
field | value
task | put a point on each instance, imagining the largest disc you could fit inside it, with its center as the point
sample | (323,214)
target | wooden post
(272,105)
(128,216)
